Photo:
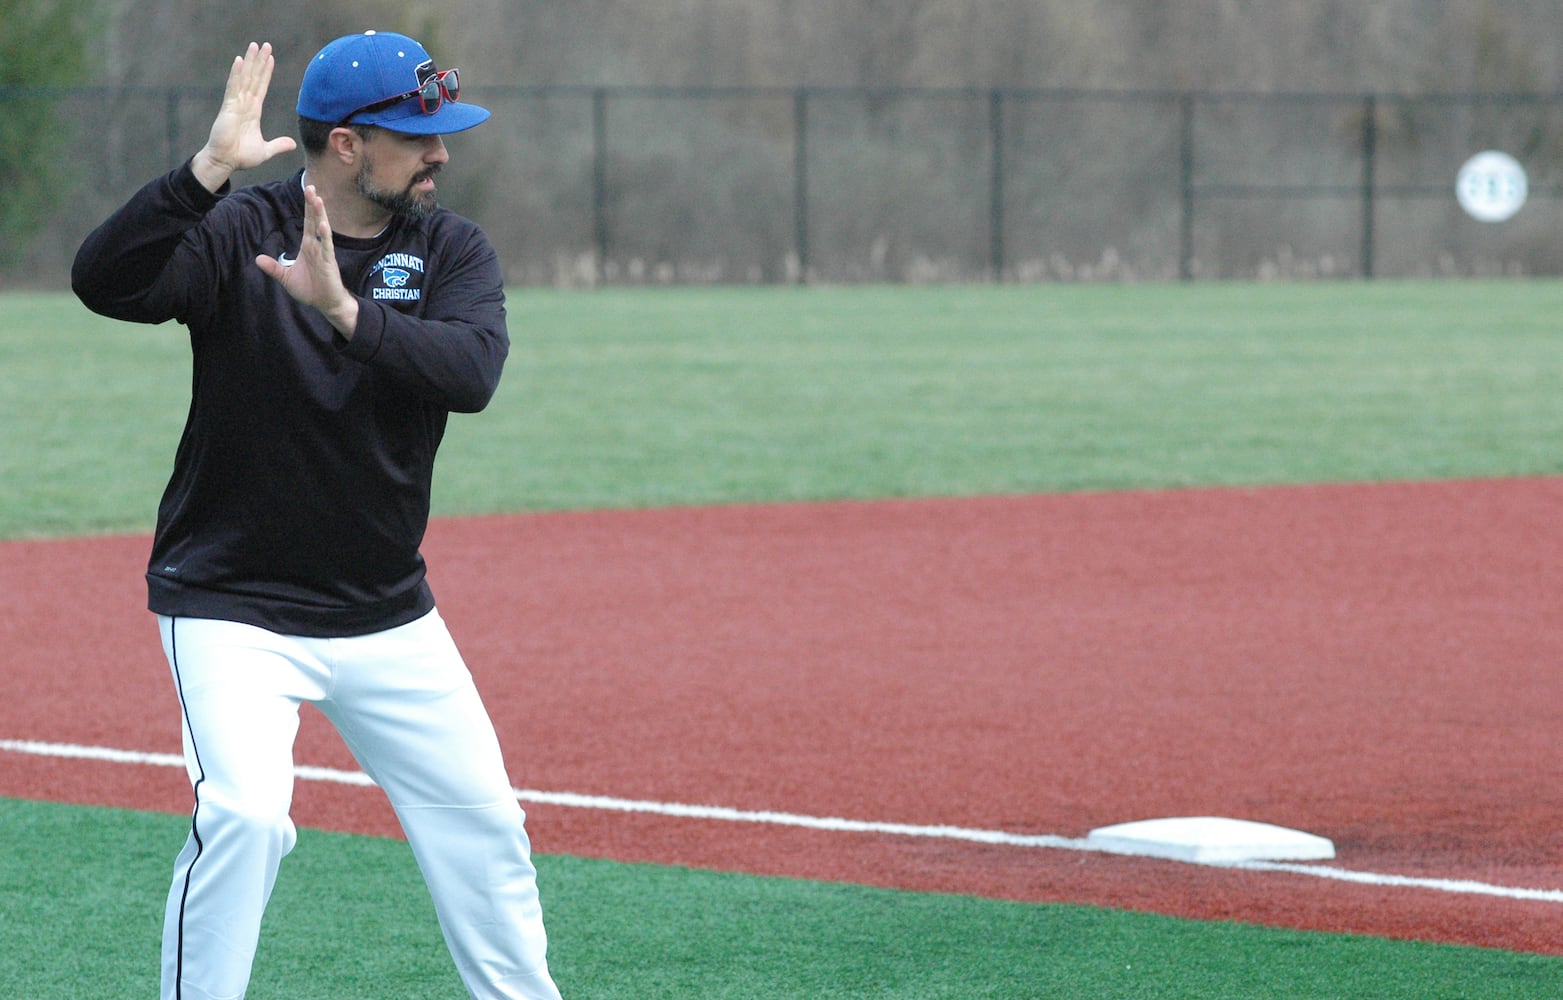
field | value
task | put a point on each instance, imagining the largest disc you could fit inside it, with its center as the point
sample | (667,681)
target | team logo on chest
(397,277)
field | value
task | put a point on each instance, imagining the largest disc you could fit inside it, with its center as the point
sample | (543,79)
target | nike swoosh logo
(287,261)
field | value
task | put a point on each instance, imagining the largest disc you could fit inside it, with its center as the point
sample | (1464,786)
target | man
(335,320)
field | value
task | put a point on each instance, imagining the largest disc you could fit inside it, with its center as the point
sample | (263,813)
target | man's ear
(344,144)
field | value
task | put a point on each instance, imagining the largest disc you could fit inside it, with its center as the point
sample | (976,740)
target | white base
(1210,840)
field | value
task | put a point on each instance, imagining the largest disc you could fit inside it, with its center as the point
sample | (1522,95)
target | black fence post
(1369,174)
(996,186)
(800,181)
(1186,189)
(600,178)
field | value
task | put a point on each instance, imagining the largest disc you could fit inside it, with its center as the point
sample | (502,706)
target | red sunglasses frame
(432,93)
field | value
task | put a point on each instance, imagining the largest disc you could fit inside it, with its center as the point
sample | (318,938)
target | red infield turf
(1379,665)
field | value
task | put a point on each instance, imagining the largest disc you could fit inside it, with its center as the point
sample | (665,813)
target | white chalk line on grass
(572,800)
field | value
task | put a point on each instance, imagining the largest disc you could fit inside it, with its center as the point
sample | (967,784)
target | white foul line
(571,800)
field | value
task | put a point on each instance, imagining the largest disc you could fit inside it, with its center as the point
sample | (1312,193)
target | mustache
(427,174)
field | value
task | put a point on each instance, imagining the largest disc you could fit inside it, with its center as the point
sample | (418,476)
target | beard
(410,204)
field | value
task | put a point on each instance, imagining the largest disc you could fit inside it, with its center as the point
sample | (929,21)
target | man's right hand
(236,142)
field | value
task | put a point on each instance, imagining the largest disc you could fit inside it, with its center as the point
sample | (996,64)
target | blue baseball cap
(375,78)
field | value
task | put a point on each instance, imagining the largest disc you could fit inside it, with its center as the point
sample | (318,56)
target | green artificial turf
(81,894)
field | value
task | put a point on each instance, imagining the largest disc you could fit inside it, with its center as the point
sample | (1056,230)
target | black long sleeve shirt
(300,490)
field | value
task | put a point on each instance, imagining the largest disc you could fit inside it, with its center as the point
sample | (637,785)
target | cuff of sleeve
(367,335)
(191,193)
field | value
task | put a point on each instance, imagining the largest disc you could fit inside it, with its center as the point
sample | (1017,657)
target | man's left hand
(313,277)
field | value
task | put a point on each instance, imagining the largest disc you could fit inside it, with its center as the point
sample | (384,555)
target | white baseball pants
(406,706)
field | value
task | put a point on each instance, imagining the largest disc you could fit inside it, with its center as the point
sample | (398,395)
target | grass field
(635,398)
(680,396)
(642,931)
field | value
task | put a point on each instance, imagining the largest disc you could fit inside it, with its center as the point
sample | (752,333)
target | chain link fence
(639,185)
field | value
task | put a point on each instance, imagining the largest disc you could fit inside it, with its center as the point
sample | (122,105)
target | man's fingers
(239,78)
(268,63)
(315,222)
(271,266)
(259,69)
(251,74)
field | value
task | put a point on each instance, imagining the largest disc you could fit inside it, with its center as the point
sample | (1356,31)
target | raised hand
(236,142)
(312,277)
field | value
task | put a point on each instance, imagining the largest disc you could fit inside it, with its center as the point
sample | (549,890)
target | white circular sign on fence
(1491,186)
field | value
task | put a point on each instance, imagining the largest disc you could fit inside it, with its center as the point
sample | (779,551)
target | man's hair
(314,135)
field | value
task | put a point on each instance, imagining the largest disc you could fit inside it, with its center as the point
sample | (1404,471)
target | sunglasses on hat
(435,87)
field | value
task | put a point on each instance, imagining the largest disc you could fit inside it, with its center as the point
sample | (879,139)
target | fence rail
(590,184)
